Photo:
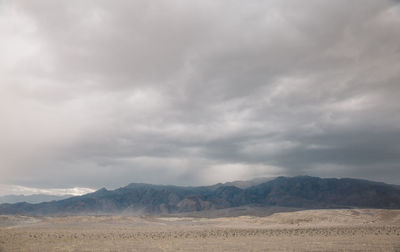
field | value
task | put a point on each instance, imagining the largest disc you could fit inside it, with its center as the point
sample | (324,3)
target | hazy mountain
(297,192)
(243,184)
(34,198)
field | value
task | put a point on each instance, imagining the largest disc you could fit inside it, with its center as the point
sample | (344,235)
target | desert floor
(311,230)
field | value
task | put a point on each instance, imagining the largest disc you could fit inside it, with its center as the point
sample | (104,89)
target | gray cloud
(101,93)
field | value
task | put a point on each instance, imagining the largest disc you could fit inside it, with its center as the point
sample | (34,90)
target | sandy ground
(313,230)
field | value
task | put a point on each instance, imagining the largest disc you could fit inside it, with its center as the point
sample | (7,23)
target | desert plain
(308,230)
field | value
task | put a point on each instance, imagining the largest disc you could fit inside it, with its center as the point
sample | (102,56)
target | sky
(105,93)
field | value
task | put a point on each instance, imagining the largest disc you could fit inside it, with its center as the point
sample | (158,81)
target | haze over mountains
(297,192)
(33,198)
(44,197)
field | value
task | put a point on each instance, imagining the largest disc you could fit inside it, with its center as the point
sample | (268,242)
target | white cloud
(23,190)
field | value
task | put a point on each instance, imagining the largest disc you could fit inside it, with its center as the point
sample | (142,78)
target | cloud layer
(104,93)
(23,190)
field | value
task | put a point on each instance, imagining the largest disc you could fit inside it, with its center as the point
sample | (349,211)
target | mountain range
(33,198)
(303,192)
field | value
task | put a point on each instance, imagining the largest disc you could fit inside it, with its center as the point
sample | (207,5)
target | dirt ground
(312,230)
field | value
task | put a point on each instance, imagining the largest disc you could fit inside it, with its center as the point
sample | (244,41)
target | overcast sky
(104,93)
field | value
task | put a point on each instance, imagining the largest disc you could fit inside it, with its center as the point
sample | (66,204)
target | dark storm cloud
(103,93)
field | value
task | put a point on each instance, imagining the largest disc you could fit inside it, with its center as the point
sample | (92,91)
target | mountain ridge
(297,192)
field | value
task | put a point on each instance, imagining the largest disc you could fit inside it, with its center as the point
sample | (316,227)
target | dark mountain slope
(300,192)
(313,192)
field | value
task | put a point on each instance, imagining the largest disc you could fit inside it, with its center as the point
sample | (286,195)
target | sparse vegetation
(366,230)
